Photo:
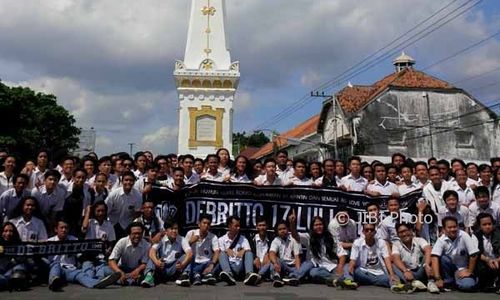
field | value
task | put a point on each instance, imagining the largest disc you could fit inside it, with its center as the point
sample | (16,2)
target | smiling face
(318,226)
(8,232)
(405,234)
(451,229)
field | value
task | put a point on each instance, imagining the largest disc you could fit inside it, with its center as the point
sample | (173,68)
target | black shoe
(291,281)
(183,280)
(228,278)
(56,284)
(197,279)
(209,279)
(252,279)
(108,280)
(277,282)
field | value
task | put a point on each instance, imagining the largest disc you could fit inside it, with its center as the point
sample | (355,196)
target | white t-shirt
(386,189)
(263,180)
(122,207)
(105,231)
(294,180)
(31,231)
(434,197)
(354,184)
(458,250)
(462,214)
(129,256)
(370,258)
(413,257)
(171,251)
(404,188)
(219,177)
(285,249)
(242,244)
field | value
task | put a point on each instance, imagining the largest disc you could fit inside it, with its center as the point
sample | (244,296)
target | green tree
(31,121)
(241,141)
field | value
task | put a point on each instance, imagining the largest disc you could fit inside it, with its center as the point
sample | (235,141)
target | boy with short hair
(206,251)
(284,255)
(260,244)
(169,258)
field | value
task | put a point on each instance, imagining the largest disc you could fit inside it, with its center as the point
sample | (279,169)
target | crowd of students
(451,243)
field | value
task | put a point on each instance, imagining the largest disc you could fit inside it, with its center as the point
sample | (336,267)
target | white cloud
(163,140)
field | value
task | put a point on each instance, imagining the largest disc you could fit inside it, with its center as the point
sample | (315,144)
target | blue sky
(110,62)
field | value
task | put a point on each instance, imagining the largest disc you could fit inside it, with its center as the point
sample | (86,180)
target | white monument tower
(206,82)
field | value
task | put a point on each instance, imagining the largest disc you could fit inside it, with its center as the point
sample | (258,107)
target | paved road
(264,292)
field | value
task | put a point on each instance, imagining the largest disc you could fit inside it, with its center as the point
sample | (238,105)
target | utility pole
(334,119)
(426,96)
(131,148)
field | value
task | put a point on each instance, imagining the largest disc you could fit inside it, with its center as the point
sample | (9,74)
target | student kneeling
(63,267)
(169,258)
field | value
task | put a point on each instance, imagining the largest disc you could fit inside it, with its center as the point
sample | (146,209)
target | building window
(464,139)
(396,138)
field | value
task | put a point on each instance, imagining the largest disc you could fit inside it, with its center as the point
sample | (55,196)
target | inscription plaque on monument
(205,128)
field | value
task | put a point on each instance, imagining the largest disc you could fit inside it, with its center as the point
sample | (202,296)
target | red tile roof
(304,129)
(249,151)
(354,98)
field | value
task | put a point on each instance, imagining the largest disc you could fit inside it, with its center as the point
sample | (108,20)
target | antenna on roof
(349,84)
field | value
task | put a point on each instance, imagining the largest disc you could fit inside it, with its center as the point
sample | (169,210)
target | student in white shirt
(433,191)
(11,197)
(421,173)
(283,169)
(140,162)
(326,257)
(387,230)
(381,186)
(124,204)
(270,177)
(488,266)
(472,174)
(485,175)
(329,179)
(130,255)
(206,251)
(190,177)
(407,185)
(169,258)
(64,267)
(149,220)
(177,181)
(104,166)
(212,174)
(465,193)
(236,257)
(454,258)
(99,191)
(454,209)
(495,189)
(484,204)
(444,169)
(411,257)
(240,172)
(68,166)
(144,184)
(299,174)
(343,229)
(30,228)
(224,165)
(37,175)
(260,244)
(284,255)
(96,225)
(354,182)
(50,195)
(370,262)
(7,176)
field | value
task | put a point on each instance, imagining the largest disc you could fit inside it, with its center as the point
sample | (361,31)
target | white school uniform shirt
(36,178)
(225,171)
(129,256)
(6,182)
(261,247)
(404,188)
(240,178)
(413,257)
(294,180)
(67,183)
(493,209)
(370,258)
(433,197)
(242,244)
(284,174)
(462,214)
(346,233)
(50,202)
(465,196)
(172,250)
(354,184)
(30,231)
(122,207)
(104,231)
(219,177)
(67,261)
(323,261)
(193,179)
(113,181)
(139,175)
(386,189)
(388,226)
(470,182)
(262,180)
(203,249)
(487,246)
(495,196)
(9,201)
(458,250)
(285,249)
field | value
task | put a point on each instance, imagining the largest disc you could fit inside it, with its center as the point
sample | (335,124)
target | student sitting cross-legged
(488,266)
(260,243)
(370,262)
(411,258)
(169,258)
(454,257)
(236,257)
(205,248)
(130,255)
(285,257)
(63,267)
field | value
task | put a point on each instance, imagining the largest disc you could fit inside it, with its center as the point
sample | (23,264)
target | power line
(476,76)
(304,100)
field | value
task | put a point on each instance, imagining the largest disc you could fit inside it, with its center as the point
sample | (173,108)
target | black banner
(53,248)
(247,201)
